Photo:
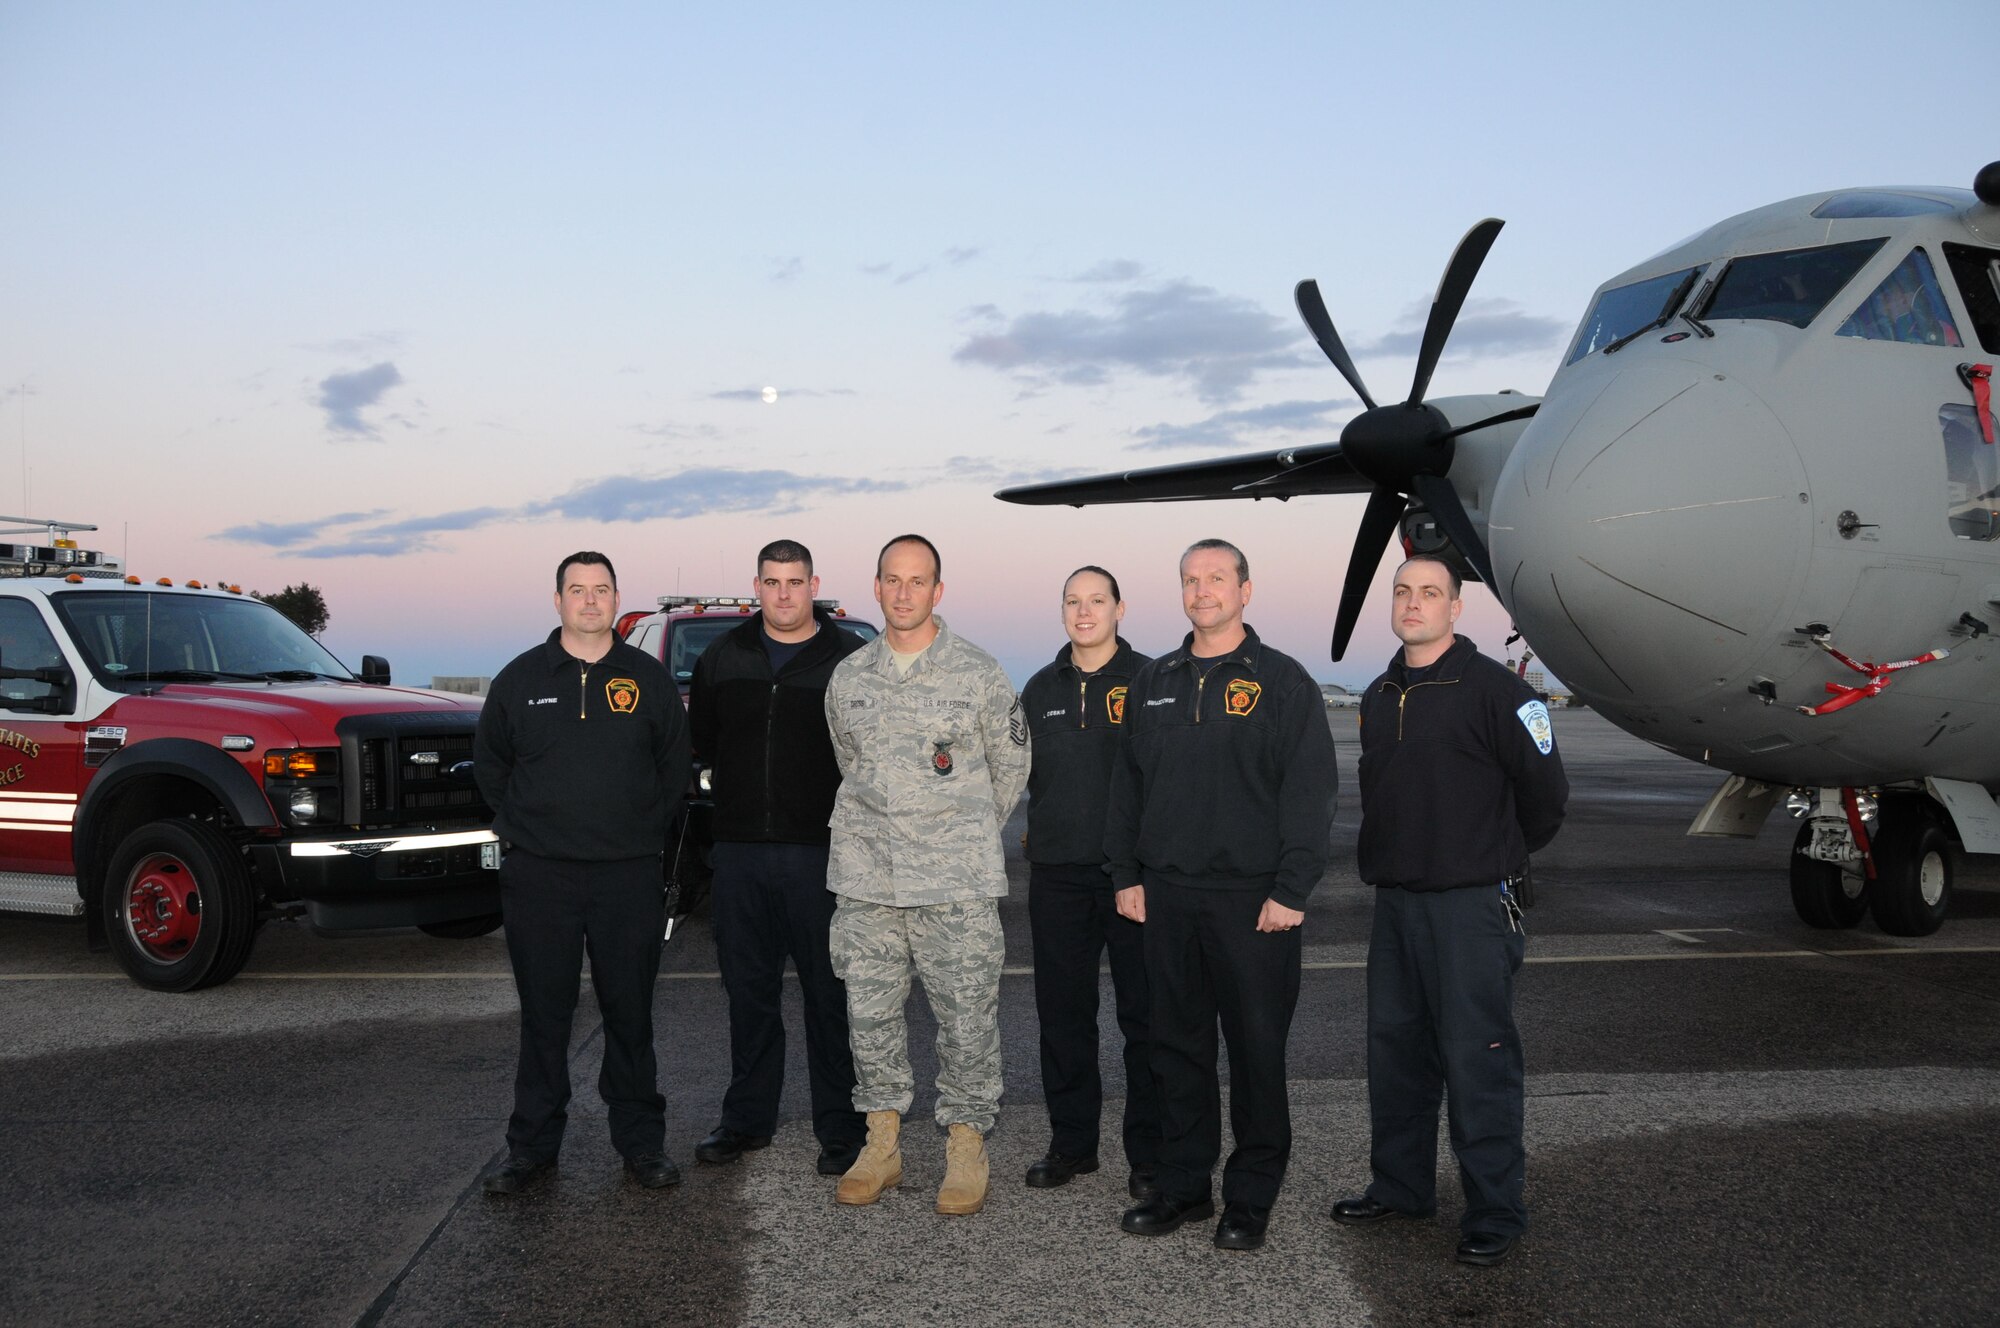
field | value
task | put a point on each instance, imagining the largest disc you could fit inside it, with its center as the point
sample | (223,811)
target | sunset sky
(408,301)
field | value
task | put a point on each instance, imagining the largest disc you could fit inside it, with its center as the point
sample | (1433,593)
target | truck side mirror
(375,669)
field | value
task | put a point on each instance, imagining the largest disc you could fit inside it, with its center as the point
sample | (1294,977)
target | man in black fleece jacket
(1460,781)
(758,711)
(1076,710)
(1216,835)
(582,753)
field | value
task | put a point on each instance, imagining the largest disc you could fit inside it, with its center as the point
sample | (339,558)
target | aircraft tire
(1911,892)
(1824,895)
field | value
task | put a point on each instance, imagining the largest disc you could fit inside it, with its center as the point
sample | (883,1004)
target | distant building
(467,686)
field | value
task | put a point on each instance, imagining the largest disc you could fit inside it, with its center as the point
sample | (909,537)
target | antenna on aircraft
(1405,449)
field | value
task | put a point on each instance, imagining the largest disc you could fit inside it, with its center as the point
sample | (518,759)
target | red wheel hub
(163,907)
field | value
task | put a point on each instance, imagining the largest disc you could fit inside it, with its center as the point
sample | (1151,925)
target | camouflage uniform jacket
(931,765)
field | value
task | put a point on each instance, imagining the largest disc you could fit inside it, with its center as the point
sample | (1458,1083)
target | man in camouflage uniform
(933,753)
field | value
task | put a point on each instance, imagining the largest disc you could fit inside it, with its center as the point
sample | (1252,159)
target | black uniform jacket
(1456,786)
(765,735)
(1225,781)
(1074,719)
(583,762)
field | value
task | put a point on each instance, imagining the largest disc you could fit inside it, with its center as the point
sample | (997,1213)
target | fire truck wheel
(1824,895)
(461,929)
(1911,891)
(179,909)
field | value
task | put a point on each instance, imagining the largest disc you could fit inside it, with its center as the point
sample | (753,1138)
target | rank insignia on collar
(1241,697)
(941,758)
(622,695)
(1114,704)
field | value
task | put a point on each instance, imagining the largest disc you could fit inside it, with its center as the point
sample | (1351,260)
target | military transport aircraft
(1755,520)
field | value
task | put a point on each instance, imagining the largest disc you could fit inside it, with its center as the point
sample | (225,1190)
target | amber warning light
(298,765)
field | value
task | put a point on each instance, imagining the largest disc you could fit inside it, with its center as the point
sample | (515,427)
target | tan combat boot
(880,1166)
(964,1188)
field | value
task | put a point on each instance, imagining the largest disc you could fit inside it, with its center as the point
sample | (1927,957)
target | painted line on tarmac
(1317,965)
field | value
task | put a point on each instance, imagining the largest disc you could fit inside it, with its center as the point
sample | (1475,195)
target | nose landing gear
(1903,874)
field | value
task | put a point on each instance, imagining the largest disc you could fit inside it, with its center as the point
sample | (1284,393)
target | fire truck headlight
(305,805)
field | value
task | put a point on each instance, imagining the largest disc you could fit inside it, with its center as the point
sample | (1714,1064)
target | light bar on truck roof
(728,602)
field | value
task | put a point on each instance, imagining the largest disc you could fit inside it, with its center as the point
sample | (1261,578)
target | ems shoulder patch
(1535,718)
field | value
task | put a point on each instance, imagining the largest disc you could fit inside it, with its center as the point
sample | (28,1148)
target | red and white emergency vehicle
(181,763)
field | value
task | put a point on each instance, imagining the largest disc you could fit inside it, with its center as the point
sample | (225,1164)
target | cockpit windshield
(1788,287)
(1625,309)
(1908,306)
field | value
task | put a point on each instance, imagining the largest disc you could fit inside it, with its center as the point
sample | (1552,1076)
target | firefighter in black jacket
(1216,835)
(1460,781)
(1076,705)
(757,707)
(582,753)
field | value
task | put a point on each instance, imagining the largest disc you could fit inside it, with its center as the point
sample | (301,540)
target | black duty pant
(1441,1021)
(771,901)
(1073,919)
(555,912)
(1206,962)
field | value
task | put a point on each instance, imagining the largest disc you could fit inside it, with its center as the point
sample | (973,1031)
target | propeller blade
(1438,495)
(1313,309)
(1519,413)
(1450,298)
(1378,523)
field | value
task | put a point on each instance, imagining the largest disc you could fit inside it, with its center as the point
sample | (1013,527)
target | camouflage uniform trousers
(958,950)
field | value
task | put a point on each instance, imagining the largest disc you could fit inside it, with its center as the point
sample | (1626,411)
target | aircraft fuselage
(1682,505)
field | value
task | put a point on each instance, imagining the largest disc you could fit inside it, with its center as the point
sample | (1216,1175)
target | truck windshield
(691,636)
(139,634)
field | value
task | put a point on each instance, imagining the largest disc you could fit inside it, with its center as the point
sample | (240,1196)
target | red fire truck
(180,763)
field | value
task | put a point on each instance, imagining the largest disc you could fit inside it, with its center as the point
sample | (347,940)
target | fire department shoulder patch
(1114,705)
(1535,718)
(1241,697)
(622,695)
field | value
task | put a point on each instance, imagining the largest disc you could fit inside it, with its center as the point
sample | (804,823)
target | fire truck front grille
(409,777)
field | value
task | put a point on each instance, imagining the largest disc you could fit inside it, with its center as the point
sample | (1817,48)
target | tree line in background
(302,603)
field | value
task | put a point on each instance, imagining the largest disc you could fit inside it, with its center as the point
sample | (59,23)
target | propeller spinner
(1405,449)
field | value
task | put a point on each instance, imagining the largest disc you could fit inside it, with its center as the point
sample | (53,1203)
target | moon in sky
(770,395)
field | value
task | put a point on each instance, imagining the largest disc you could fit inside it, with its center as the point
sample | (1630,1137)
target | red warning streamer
(1979,377)
(1852,805)
(1877,675)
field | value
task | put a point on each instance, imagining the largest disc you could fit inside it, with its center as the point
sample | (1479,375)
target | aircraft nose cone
(1649,531)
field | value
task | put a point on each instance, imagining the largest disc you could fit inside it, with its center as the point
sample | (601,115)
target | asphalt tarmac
(1732,1118)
